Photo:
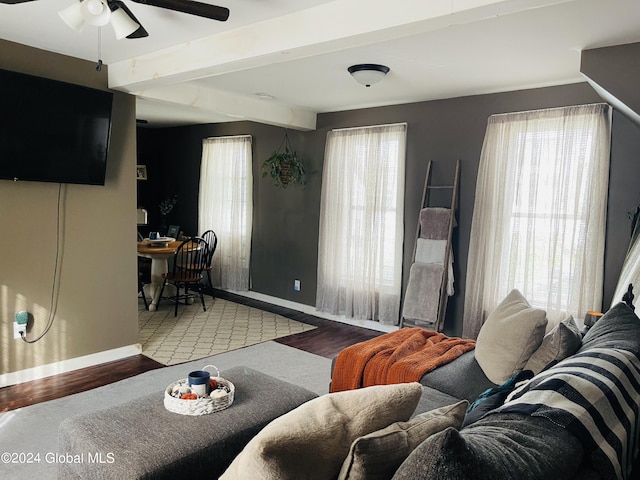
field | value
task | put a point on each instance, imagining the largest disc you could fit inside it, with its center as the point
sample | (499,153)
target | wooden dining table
(159,253)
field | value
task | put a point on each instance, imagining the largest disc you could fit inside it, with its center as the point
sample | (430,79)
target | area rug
(33,431)
(195,334)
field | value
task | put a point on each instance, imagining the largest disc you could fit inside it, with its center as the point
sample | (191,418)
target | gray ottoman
(141,439)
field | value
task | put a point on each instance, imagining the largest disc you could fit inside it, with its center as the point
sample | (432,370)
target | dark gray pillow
(618,328)
(499,446)
(563,340)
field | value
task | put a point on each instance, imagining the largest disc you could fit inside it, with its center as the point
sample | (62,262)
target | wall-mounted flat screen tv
(52,131)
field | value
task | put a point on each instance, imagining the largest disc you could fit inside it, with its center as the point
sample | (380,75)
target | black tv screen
(52,131)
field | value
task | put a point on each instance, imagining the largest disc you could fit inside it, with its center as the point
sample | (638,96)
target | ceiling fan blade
(200,9)
(140,32)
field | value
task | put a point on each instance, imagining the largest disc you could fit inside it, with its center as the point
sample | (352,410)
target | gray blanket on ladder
(434,223)
(422,298)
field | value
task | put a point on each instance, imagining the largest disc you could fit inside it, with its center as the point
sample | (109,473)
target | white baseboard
(308,309)
(72,364)
(69,365)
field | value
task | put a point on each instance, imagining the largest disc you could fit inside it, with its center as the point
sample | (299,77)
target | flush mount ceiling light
(368,73)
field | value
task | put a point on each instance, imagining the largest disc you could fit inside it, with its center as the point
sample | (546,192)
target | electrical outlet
(296,285)
(17,328)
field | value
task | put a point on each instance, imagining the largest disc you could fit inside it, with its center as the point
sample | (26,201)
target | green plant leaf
(284,168)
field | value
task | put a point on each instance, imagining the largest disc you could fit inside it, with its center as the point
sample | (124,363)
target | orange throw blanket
(401,356)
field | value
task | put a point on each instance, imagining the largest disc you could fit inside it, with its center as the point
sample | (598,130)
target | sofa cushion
(314,439)
(446,378)
(432,398)
(497,446)
(617,328)
(563,340)
(378,455)
(511,333)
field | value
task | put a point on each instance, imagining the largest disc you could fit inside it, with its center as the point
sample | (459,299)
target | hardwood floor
(326,340)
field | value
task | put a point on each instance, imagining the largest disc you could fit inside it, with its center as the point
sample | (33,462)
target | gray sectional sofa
(578,418)
(573,415)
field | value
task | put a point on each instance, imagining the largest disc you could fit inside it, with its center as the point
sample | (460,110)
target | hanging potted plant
(284,167)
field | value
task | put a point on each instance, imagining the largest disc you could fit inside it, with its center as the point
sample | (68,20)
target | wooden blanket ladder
(435,320)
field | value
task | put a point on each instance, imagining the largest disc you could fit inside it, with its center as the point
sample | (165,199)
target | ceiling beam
(235,107)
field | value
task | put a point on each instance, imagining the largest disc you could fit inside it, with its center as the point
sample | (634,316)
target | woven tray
(221,399)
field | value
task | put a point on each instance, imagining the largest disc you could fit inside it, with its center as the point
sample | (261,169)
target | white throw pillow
(511,333)
(564,340)
(313,440)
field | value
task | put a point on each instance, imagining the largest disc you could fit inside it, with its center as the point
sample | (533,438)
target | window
(540,212)
(226,207)
(361,223)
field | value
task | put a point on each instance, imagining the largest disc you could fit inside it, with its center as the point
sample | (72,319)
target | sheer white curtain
(225,206)
(540,212)
(361,223)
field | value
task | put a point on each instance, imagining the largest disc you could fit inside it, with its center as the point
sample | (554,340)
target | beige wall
(94,300)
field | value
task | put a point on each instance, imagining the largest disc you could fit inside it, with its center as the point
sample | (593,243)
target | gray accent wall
(285,227)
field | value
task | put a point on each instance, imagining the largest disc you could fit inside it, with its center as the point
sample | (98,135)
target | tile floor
(195,334)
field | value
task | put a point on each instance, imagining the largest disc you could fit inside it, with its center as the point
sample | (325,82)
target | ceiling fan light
(72,16)
(95,12)
(368,73)
(123,25)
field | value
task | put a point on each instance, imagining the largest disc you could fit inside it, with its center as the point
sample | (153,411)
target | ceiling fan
(124,23)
